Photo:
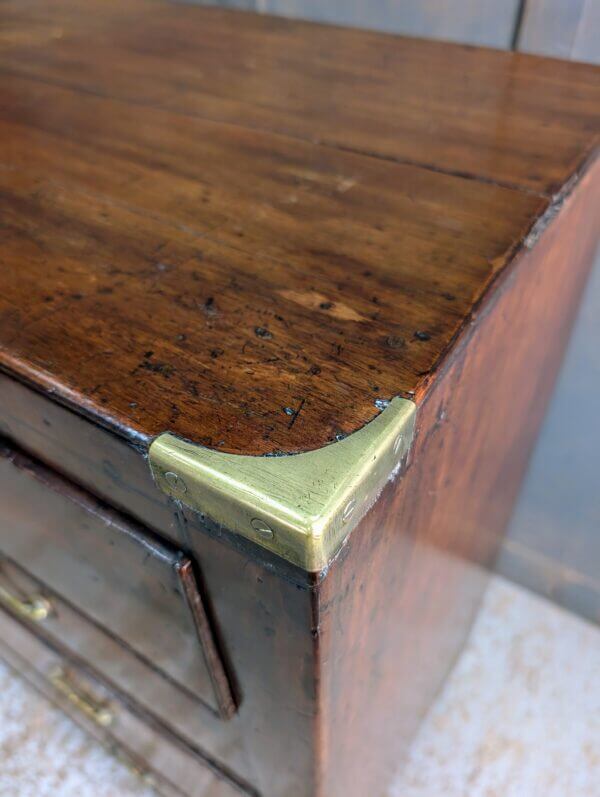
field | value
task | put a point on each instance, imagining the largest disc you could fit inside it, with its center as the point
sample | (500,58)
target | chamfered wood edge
(513,257)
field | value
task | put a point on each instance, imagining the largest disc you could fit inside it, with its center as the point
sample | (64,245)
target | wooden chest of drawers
(281,307)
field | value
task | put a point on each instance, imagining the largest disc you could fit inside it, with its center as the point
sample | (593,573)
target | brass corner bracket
(299,506)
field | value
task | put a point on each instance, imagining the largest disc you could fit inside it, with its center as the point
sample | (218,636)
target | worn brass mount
(301,507)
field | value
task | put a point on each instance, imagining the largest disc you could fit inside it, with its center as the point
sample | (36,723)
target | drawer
(58,624)
(159,759)
(140,591)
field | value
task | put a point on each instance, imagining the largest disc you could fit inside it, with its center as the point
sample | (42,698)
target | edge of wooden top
(521,247)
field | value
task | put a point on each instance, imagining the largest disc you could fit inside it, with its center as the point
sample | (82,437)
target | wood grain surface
(254,232)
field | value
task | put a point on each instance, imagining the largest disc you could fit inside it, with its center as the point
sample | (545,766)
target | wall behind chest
(561,28)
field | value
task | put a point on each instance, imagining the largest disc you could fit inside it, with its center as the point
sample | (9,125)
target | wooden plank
(521,122)
(253,235)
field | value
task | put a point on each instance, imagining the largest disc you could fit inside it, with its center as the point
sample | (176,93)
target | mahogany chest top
(254,233)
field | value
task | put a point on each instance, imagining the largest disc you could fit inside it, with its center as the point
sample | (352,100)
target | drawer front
(161,760)
(60,625)
(142,591)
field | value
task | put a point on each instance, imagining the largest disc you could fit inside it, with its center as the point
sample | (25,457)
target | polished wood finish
(212,264)
(492,115)
(254,233)
(215,337)
(137,588)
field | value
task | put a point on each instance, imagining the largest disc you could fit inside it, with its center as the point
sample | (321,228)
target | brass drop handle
(35,607)
(97,710)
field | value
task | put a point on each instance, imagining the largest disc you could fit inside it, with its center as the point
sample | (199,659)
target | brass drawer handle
(96,710)
(35,608)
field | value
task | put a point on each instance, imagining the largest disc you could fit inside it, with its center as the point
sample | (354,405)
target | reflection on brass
(35,607)
(97,710)
(300,506)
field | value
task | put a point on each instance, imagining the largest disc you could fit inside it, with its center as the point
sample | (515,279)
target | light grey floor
(518,717)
